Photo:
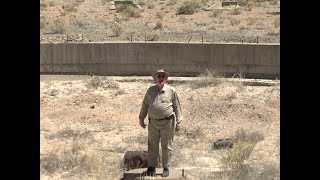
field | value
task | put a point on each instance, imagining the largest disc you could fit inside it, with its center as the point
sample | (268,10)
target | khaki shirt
(160,104)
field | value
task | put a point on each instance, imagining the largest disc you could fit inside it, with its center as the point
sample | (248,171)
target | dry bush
(69,8)
(116,29)
(243,2)
(152,36)
(273,2)
(76,158)
(235,157)
(182,19)
(59,25)
(120,92)
(171,2)
(235,11)
(252,137)
(207,78)
(150,6)
(141,138)
(42,24)
(276,22)
(128,10)
(269,171)
(103,2)
(97,82)
(251,21)
(188,8)
(216,13)
(234,21)
(79,23)
(159,15)
(43,4)
(158,25)
(141,2)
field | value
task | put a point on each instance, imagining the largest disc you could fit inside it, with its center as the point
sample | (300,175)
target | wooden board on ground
(136,174)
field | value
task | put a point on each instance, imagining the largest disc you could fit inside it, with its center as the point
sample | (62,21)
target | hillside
(159,20)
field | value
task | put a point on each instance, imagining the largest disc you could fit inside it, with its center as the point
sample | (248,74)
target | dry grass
(251,21)
(188,8)
(216,13)
(276,22)
(59,25)
(235,11)
(82,143)
(152,36)
(158,25)
(96,82)
(117,29)
(234,22)
(209,77)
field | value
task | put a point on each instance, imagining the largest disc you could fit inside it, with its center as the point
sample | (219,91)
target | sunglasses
(161,76)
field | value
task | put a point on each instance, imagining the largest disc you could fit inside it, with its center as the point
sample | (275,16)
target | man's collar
(163,88)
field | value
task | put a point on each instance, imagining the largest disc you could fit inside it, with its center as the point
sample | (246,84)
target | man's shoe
(151,171)
(165,172)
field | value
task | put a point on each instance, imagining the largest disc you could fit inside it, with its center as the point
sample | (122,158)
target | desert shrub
(251,21)
(216,13)
(158,25)
(128,10)
(116,29)
(234,157)
(206,78)
(243,2)
(234,21)
(182,19)
(252,137)
(150,6)
(235,11)
(122,7)
(69,8)
(97,82)
(43,4)
(141,2)
(77,156)
(152,36)
(60,25)
(188,8)
(276,22)
(42,24)
(159,15)
(171,2)
(273,2)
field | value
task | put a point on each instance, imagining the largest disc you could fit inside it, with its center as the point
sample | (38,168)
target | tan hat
(160,71)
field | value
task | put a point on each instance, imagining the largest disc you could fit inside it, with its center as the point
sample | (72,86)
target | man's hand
(142,124)
(178,127)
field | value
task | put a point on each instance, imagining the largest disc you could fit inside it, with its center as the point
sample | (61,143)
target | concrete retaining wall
(180,59)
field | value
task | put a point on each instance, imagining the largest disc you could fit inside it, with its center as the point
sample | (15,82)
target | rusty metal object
(223,143)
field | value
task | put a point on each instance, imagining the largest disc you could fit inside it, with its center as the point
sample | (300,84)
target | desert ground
(159,20)
(87,123)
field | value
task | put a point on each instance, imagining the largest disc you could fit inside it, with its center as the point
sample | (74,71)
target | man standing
(162,106)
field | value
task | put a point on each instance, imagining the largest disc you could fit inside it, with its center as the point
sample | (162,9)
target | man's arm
(144,109)
(177,107)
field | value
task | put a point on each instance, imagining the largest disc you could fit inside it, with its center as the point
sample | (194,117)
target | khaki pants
(164,130)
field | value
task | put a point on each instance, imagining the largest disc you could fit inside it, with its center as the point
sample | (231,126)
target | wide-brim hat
(154,75)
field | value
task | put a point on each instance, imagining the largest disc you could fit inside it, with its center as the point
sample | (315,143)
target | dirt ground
(93,21)
(87,123)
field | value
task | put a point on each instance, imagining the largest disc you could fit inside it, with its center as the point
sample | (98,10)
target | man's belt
(167,118)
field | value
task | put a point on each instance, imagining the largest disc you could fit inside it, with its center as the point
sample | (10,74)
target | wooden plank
(136,174)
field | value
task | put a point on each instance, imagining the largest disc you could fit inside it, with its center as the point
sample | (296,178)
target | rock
(53,92)
(93,106)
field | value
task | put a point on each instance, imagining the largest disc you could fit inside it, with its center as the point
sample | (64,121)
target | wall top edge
(197,43)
